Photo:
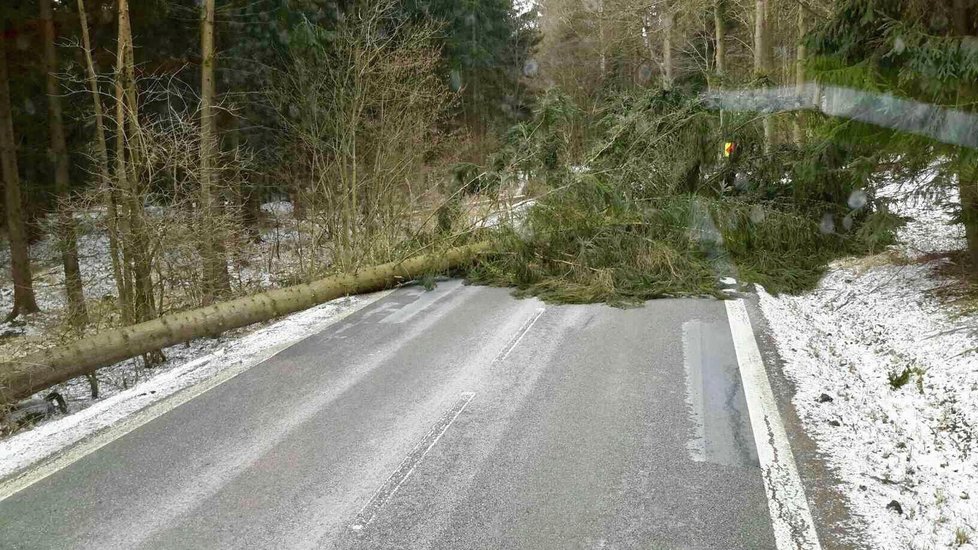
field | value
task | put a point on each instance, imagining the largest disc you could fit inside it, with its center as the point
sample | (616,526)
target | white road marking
(692,360)
(89,445)
(410,463)
(425,300)
(791,517)
(518,337)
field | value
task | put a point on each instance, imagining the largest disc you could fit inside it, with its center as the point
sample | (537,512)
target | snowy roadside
(887,384)
(187,366)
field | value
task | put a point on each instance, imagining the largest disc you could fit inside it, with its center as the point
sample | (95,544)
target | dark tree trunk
(77,314)
(24,301)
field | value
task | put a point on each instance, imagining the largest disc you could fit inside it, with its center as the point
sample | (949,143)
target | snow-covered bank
(887,384)
(186,366)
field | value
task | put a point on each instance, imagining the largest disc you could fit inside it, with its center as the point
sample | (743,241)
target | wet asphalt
(456,418)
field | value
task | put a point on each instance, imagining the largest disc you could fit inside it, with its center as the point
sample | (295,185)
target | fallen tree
(26,376)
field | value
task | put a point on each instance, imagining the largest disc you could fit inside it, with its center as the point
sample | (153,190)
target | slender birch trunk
(105,184)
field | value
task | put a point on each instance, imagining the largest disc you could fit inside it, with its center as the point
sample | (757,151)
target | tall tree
(68,241)
(920,49)
(20,262)
(216,281)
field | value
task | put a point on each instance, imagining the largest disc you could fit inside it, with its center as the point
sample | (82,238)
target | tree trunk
(34,373)
(20,262)
(667,64)
(102,160)
(762,67)
(968,173)
(77,314)
(968,190)
(800,58)
(720,26)
(216,280)
(135,247)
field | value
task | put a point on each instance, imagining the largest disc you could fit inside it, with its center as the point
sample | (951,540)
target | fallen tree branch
(24,377)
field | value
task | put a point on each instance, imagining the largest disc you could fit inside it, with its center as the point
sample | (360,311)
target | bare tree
(20,262)
(77,313)
(105,184)
(135,250)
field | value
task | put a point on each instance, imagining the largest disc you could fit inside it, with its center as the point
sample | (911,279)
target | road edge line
(60,460)
(791,517)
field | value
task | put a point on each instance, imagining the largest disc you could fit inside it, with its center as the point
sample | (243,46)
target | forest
(160,157)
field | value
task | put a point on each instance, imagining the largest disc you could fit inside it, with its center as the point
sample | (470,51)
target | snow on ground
(887,384)
(271,262)
(186,366)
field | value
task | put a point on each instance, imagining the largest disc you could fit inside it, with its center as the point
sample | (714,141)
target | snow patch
(887,384)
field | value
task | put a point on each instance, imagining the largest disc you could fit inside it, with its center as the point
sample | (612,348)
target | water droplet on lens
(530,68)
(858,199)
(827,226)
(740,181)
(456,80)
(899,46)
(847,222)
(757,214)
(644,73)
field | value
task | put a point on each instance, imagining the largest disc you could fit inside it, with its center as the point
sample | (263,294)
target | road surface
(456,418)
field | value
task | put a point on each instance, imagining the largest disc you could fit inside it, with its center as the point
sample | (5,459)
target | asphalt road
(457,418)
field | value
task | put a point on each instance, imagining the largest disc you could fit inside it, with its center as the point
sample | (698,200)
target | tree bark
(106,186)
(668,73)
(720,27)
(968,190)
(762,67)
(216,280)
(968,173)
(20,262)
(800,58)
(77,313)
(24,377)
(135,243)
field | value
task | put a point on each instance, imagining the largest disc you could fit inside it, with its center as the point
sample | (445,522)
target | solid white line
(791,518)
(90,444)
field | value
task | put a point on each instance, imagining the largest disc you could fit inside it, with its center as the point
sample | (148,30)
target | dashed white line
(410,462)
(518,337)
